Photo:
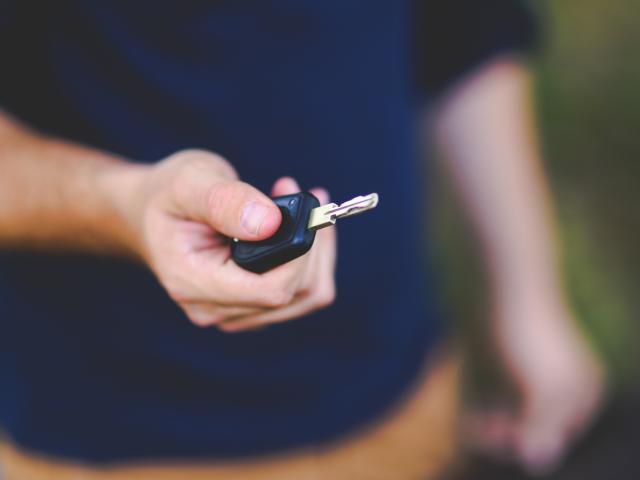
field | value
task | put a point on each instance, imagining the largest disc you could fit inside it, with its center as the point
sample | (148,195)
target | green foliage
(588,85)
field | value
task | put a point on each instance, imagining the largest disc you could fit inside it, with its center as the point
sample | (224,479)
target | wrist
(527,280)
(103,192)
(120,185)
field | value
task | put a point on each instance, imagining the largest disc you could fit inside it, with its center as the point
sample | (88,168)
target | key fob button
(291,240)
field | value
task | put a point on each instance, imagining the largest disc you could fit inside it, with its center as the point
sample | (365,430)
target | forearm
(55,195)
(485,129)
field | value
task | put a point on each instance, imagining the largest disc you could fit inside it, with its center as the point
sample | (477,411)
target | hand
(186,209)
(560,380)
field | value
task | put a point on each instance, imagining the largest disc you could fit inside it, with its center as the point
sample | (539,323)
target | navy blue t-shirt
(96,362)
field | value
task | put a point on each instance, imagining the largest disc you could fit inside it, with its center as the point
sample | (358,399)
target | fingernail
(253,215)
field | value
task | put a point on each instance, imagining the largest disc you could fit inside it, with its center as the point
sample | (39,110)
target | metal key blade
(355,206)
(327,215)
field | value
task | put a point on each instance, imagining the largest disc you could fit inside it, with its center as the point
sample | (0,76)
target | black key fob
(292,239)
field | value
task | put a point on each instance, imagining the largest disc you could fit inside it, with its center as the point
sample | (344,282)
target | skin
(485,127)
(175,217)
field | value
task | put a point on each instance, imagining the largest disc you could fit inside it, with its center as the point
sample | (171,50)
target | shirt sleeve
(455,36)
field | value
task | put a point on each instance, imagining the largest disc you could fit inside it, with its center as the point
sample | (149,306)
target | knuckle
(199,321)
(192,153)
(205,320)
(194,315)
(190,158)
(325,297)
(180,299)
(215,318)
(176,294)
(229,327)
(202,315)
(196,156)
(223,327)
(279,298)
(202,160)
(178,288)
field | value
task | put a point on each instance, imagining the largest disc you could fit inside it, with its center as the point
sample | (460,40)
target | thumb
(238,210)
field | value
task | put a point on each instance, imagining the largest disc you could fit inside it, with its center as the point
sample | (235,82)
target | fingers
(306,302)
(206,188)
(285,186)
(227,283)
(491,432)
(231,291)
(535,440)
(540,436)
(238,210)
(203,198)
(556,415)
(549,426)
(207,314)
(317,292)
(317,289)
(272,289)
(322,195)
(288,186)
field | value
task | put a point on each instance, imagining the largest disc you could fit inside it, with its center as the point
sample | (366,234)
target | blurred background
(587,79)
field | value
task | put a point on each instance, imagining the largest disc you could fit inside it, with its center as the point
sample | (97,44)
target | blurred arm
(486,130)
(57,195)
(176,216)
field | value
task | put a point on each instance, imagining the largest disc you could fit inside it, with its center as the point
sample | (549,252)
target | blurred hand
(185,211)
(560,380)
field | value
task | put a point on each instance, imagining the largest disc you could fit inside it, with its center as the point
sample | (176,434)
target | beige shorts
(415,441)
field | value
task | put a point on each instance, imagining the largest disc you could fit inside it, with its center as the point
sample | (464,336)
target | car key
(302,215)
